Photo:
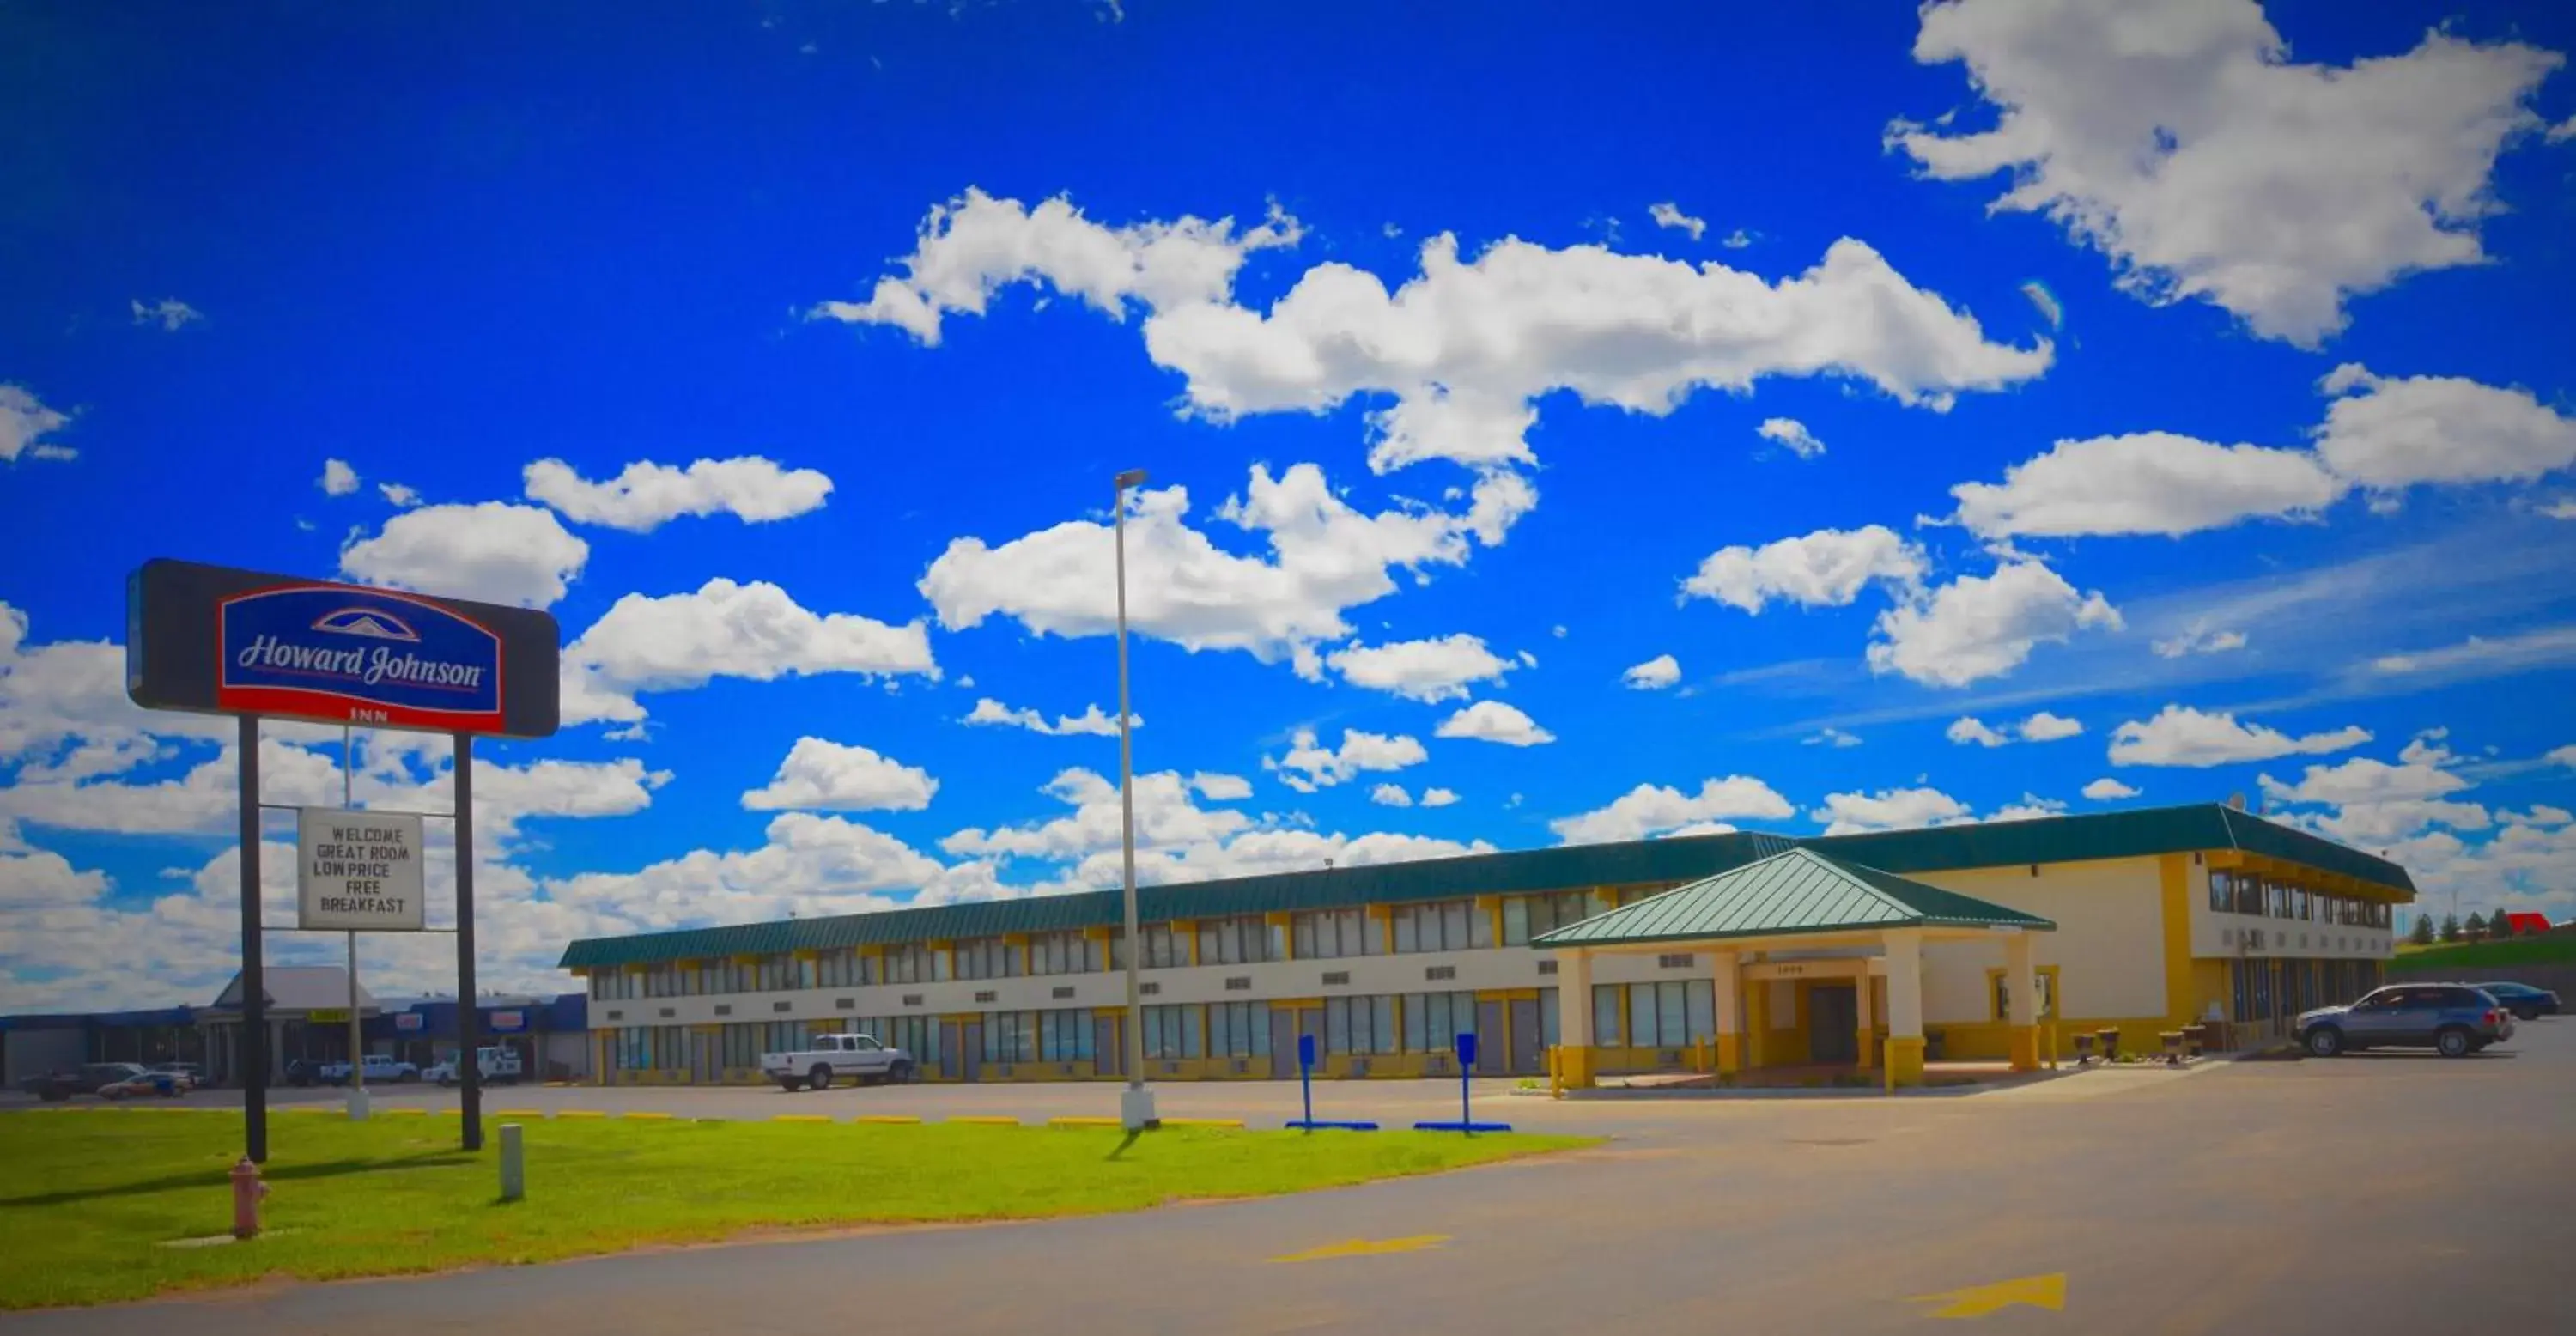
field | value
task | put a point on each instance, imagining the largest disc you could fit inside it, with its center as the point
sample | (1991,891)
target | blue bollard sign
(1306,1091)
(1465,1046)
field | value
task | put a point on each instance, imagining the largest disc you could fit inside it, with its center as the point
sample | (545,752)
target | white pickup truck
(497,1065)
(856,1057)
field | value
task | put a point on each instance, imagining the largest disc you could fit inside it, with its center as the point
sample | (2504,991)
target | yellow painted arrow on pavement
(1365,1248)
(2048,1291)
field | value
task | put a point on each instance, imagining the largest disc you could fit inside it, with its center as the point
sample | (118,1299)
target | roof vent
(2237,801)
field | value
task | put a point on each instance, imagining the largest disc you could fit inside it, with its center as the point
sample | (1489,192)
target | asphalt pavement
(2378,1193)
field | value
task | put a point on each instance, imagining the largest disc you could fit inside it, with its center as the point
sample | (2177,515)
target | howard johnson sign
(366,657)
(211,639)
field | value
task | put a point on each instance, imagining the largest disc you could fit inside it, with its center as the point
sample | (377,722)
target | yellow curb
(1203,1122)
(579,1113)
(887,1118)
(404,1113)
(308,1108)
(800,1118)
(1082,1122)
(988,1120)
(646,1117)
(516,1113)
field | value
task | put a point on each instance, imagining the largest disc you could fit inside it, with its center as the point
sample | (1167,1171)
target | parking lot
(2387,1192)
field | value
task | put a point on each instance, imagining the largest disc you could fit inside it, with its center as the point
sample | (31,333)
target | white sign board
(358,871)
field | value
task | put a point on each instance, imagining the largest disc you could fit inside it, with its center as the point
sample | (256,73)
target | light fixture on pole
(1136,1103)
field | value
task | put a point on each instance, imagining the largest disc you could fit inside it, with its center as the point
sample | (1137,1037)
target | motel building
(1735,952)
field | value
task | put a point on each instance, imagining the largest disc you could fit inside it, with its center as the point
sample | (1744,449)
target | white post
(1136,1105)
(1866,1018)
(514,1165)
(357,1041)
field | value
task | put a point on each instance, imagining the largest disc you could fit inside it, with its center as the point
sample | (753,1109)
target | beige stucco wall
(2108,947)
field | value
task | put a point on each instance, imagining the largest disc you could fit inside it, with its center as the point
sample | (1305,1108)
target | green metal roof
(1800,891)
(1639,863)
(1667,862)
(2129,834)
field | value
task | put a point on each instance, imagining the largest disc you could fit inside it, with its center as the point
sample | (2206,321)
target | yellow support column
(1574,1019)
(1729,1013)
(2021,1002)
(1866,1021)
(1904,1007)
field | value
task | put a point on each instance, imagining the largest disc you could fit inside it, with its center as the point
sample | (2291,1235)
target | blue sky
(1482,357)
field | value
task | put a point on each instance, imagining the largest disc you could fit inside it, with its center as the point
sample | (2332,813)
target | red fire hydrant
(247,1190)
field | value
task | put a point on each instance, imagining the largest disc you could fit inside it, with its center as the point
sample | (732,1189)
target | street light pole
(1136,1104)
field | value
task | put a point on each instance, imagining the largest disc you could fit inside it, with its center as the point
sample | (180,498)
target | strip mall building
(1737,950)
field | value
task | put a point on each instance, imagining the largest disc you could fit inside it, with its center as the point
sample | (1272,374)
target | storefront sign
(358,871)
(408,1020)
(506,1022)
(224,641)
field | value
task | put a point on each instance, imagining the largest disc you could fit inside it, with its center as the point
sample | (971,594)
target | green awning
(1797,892)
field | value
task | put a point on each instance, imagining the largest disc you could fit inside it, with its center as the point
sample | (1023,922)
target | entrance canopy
(1801,899)
(1800,893)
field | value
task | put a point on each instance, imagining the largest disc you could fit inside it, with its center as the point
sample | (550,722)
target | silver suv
(2453,1019)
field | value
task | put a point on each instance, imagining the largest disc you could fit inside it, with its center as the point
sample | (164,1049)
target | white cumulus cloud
(1390,795)
(646,495)
(2391,432)
(338,479)
(2106,789)
(1791,433)
(2147,483)
(2045,727)
(1325,558)
(1827,568)
(824,776)
(25,422)
(1654,674)
(2182,736)
(495,551)
(1092,722)
(1977,627)
(169,313)
(1494,721)
(1658,809)
(1670,215)
(678,642)
(1421,670)
(1968,728)
(2182,140)
(1439,797)
(1889,809)
(1310,765)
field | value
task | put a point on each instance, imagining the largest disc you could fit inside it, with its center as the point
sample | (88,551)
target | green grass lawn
(92,1195)
(2554,949)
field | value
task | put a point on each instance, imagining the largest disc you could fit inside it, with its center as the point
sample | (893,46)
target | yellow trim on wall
(2175,870)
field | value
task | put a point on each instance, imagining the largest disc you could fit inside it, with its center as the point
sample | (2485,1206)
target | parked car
(2523,1000)
(497,1065)
(190,1074)
(2453,1019)
(379,1070)
(303,1071)
(858,1057)
(143,1081)
(86,1079)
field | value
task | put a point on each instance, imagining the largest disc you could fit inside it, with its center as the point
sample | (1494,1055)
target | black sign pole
(469,1058)
(252,1051)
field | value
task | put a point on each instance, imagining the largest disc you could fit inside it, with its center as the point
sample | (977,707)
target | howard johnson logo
(359,656)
